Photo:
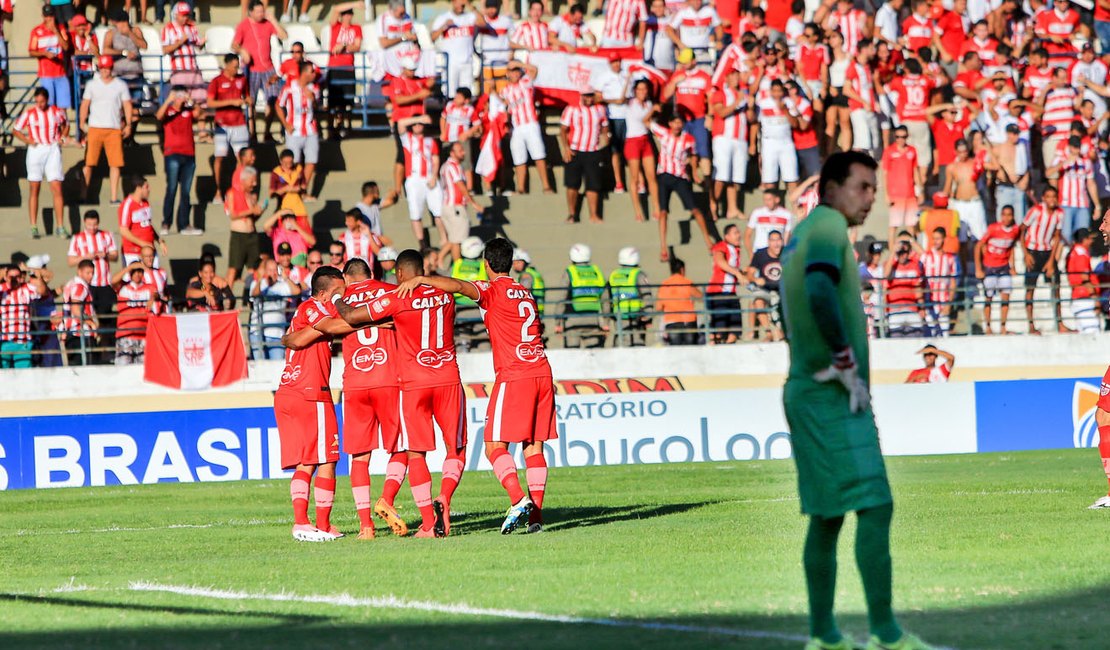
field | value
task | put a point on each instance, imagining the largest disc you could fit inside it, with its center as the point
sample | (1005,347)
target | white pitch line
(392,602)
(235,523)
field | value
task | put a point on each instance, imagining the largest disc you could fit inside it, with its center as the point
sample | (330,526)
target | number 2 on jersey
(528,313)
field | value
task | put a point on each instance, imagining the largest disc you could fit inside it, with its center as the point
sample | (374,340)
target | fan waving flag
(489,155)
(195,351)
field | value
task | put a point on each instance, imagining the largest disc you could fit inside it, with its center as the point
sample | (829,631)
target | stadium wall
(104,426)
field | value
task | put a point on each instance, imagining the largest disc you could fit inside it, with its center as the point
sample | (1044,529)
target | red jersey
(43,39)
(299,105)
(945,136)
(859,78)
(998,244)
(370,353)
(952,31)
(515,333)
(938,374)
(1051,23)
(899,167)
(692,92)
(719,281)
(1079,272)
(44,126)
(584,125)
(621,17)
(177,131)
(1074,175)
(133,310)
(425,326)
(1041,226)
(533,36)
(184,57)
(86,245)
(77,293)
(734,125)
(135,217)
(222,88)
(1059,111)
(1035,80)
(913,96)
(343,35)
(904,282)
(420,151)
(521,102)
(674,150)
(399,86)
(811,59)
(804,138)
(459,119)
(919,32)
(940,269)
(15,312)
(307,372)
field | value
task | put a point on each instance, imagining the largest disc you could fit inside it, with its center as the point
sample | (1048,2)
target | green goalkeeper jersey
(821,239)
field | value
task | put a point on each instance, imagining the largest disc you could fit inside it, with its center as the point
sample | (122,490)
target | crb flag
(561,76)
(195,351)
(489,156)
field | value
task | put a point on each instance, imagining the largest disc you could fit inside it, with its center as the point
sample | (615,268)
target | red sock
(298,491)
(452,474)
(360,488)
(325,496)
(420,480)
(395,475)
(505,470)
(1104,448)
(537,483)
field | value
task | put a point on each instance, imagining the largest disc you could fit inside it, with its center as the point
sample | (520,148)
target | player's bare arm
(446,284)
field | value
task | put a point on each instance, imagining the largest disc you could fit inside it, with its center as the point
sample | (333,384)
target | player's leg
(450,414)
(873,560)
(387,406)
(535,462)
(418,437)
(298,492)
(360,426)
(1102,419)
(819,559)
(324,495)
(499,432)
(360,490)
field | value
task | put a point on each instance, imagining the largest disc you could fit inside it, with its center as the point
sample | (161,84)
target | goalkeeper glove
(844,370)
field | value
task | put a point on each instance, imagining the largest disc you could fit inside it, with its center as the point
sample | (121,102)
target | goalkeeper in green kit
(828,407)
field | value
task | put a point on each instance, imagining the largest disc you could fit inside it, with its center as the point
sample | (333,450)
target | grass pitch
(990,551)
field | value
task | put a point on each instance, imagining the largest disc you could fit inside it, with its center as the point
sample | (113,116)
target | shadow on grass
(160,609)
(1070,621)
(568,518)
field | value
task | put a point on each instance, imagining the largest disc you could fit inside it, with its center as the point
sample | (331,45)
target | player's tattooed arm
(354,316)
(334,327)
(447,284)
(302,338)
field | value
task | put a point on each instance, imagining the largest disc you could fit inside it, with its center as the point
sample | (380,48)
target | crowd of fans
(989,117)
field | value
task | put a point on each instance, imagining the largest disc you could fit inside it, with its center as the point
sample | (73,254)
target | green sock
(873,559)
(819,558)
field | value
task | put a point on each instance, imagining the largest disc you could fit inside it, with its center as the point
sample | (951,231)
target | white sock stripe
(460,433)
(404,444)
(498,406)
(321,438)
(392,602)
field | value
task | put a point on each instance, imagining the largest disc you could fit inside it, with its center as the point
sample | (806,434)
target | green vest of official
(467,271)
(627,300)
(586,286)
(538,287)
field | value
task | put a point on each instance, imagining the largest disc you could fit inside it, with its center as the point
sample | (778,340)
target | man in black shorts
(677,161)
(584,134)
(1040,237)
(725,318)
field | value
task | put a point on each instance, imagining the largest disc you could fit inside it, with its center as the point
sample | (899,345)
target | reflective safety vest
(538,287)
(467,271)
(389,277)
(627,300)
(586,286)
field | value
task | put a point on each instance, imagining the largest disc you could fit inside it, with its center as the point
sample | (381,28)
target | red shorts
(371,419)
(521,411)
(308,432)
(1104,392)
(638,147)
(445,405)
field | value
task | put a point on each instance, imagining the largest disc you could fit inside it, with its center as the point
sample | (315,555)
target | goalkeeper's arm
(821,283)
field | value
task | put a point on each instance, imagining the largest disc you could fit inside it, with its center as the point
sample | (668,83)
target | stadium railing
(644,327)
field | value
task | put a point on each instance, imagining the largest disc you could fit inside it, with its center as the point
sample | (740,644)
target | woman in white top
(837,102)
(639,150)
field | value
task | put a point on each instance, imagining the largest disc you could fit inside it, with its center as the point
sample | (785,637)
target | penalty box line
(392,602)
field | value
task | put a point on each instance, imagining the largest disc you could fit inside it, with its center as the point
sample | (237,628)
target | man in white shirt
(766,218)
(453,33)
(887,26)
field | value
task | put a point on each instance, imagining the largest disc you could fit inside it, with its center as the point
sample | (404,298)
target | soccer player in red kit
(522,405)
(1102,415)
(371,398)
(306,416)
(430,386)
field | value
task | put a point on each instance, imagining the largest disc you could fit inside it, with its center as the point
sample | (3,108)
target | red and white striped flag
(489,155)
(195,351)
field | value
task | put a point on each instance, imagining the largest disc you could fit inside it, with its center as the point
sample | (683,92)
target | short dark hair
(1009,207)
(577,8)
(42,92)
(730,227)
(1081,234)
(1049,189)
(354,213)
(323,277)
(677,265)
(465,92)
(85,264)
(204,261)
(92,214)
(838,167)
(357,267)
(295,44)
(253,4)
(499,255)
(286,153)
(229,57)
(411,260)
(305,65)
(368,186)
(137,181)
(941,229)
(913,66)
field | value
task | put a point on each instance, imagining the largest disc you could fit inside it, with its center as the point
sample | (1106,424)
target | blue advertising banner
(1036,414)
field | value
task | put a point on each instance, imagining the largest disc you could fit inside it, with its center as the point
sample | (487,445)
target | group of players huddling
(400,376)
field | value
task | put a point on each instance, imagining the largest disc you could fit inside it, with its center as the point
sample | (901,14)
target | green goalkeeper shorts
(840,465)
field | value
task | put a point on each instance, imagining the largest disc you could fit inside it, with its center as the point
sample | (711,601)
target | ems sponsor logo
(1084,405)
(530,352)
(433,359)
(366,359)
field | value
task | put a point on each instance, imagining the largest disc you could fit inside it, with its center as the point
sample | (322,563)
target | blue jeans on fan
(179,172)
(1102,30)
(1074,219)
(1009,195)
